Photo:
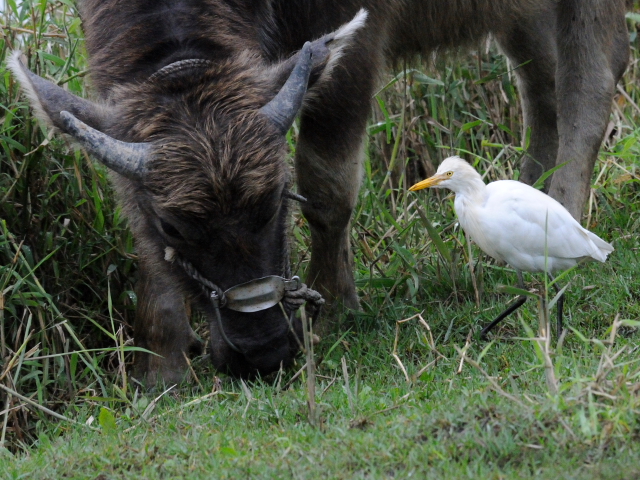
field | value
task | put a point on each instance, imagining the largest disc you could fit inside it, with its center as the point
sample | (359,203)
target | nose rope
(172,256)
(215,301)
(293,297)
(215,293)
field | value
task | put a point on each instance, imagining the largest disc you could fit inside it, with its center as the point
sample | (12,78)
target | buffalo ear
(48,99)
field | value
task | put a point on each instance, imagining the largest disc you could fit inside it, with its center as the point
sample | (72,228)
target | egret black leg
(516,305)
(560,308)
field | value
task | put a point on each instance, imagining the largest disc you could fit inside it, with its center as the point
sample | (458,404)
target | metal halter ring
(252,296)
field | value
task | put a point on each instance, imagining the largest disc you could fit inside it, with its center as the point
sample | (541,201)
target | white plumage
(517,224)
(510,221)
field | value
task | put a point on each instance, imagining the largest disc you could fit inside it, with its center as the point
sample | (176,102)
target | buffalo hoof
(334,316)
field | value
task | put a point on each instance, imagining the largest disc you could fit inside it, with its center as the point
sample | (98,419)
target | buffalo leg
(530,45)
(161,326)
(593,51)
(332,192)
(329,157)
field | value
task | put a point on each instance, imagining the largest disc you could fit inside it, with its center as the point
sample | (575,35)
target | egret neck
(471,199)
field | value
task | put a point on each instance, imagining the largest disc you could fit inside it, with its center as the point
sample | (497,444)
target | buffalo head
(199,150)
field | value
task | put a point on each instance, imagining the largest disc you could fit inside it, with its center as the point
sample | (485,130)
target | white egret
(517,224)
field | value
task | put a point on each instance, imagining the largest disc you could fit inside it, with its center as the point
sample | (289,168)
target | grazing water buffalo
(195,98)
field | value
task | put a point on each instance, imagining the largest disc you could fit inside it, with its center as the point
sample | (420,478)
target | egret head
(453,173)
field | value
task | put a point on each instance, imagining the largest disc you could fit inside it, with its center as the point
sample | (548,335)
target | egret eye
(170,230)
(449,174)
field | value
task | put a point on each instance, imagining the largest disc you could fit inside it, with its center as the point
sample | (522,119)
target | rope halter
(252,296)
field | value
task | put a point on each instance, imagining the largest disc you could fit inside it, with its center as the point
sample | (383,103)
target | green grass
(445,406)
(446,424)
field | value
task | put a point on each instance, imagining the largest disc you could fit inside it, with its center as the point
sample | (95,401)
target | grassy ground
(393,399)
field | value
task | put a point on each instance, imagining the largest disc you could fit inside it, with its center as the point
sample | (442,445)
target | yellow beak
(429,182)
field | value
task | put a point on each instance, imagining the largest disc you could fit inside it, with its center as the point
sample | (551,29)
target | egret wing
(521,217)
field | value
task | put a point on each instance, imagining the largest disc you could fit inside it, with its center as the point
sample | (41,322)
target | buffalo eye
(170,230)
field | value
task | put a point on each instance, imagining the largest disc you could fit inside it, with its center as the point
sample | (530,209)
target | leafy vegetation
(404,389)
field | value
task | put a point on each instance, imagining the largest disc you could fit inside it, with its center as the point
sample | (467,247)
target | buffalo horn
(284,107)
(127,159)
